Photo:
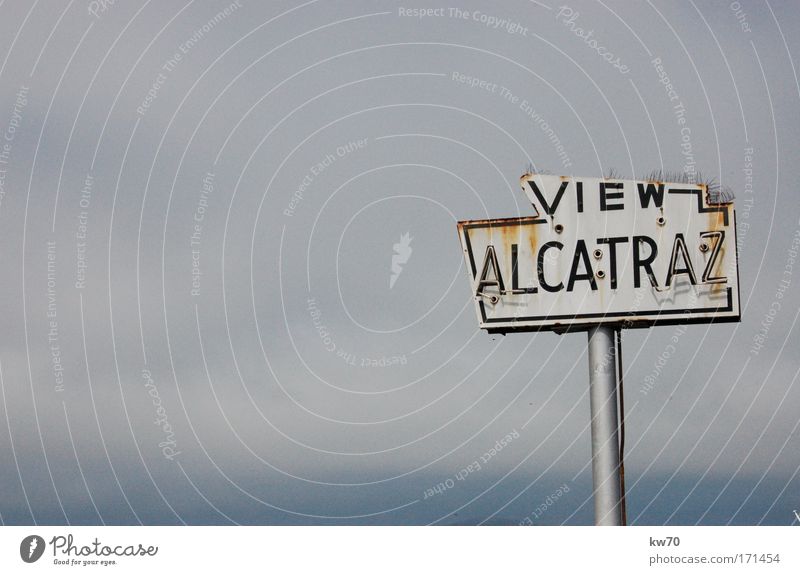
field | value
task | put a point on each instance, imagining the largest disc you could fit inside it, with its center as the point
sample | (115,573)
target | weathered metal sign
(625,252)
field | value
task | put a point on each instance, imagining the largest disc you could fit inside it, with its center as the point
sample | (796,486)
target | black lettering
(514,270)
(490,262)
(679,246)
(579,194)
(540,266)
(581,255)
(605,196)
(651,193)
(646,263)
(549,210)
(515,289)
(712,259)
(612,256)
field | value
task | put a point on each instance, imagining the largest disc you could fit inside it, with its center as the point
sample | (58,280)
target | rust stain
(507,234)
(716,221)
(533,240)
(496,222)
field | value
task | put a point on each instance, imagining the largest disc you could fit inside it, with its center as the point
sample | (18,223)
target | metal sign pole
(605,441)
(672,238)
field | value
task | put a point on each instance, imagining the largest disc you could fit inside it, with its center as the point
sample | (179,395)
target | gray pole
(605,442)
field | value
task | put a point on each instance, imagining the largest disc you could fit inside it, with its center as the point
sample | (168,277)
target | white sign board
(623,252)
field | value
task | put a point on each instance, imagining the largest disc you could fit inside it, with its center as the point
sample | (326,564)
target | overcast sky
(200,203)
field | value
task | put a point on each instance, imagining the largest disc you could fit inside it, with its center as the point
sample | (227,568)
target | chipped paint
(552,289)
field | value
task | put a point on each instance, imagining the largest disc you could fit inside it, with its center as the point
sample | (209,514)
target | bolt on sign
(633,253)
